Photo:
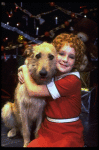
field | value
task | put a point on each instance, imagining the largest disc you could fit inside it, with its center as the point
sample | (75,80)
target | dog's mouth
(43,78)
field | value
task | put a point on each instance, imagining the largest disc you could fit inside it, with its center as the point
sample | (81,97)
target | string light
(7,23)
(28,13)
(6,26)
(85,16)
(6,38)
(9,16)
(18,24)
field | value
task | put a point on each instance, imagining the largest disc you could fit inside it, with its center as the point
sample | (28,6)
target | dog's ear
(33,49)
(28,50)
(32,55)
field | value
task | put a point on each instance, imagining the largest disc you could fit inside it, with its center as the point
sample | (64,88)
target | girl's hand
(21,71)
(20,74)
(32,88)
(20,77)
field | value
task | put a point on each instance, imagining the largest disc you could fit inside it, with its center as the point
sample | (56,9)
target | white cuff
(53,90)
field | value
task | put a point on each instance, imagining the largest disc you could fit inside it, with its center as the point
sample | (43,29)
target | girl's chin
(65,70)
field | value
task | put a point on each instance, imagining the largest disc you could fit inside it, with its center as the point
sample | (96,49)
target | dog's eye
(50,56)
(38,56)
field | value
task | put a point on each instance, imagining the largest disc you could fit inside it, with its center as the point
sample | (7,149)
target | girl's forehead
(68,49)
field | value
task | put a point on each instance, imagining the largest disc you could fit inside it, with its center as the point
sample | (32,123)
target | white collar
(74,73)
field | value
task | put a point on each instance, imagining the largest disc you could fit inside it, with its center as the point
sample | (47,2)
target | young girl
(62,126)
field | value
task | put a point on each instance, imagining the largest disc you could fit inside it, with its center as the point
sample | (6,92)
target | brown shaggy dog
(18,116)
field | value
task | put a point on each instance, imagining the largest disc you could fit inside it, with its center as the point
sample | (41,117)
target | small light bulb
(85,16)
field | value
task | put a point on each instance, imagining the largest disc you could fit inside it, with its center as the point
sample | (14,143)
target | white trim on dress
(52,87)
(62,120)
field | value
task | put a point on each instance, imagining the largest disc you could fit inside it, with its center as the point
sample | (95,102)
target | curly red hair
(74,42)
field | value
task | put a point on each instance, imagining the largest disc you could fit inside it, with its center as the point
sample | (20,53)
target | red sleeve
(68,85)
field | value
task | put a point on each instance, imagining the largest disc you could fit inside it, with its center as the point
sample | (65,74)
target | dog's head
(42,62)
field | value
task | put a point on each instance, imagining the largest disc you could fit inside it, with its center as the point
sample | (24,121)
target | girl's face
(65,59)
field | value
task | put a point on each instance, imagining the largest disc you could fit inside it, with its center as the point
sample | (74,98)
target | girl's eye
(72,57)
(61,53)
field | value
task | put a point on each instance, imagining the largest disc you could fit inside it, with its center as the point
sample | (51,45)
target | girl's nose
(65,58)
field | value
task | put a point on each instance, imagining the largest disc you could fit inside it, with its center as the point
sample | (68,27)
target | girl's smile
(65,59)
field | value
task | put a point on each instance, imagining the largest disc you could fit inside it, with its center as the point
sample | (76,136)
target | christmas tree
(31,23)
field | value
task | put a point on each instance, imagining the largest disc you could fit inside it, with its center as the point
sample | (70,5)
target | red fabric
(67,106)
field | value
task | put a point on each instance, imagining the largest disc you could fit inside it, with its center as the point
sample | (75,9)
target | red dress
(66,104)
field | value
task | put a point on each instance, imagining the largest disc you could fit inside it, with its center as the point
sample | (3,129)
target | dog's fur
(18,116)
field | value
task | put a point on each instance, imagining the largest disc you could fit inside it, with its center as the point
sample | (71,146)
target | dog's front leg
(38,125)
(39,118)
(25,127)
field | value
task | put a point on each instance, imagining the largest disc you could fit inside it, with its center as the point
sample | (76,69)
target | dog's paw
(36,135)
(11,133)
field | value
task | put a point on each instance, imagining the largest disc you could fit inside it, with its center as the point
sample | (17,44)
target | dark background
(36,8)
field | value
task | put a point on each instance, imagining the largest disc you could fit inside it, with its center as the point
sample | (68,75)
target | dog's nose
(43,73)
